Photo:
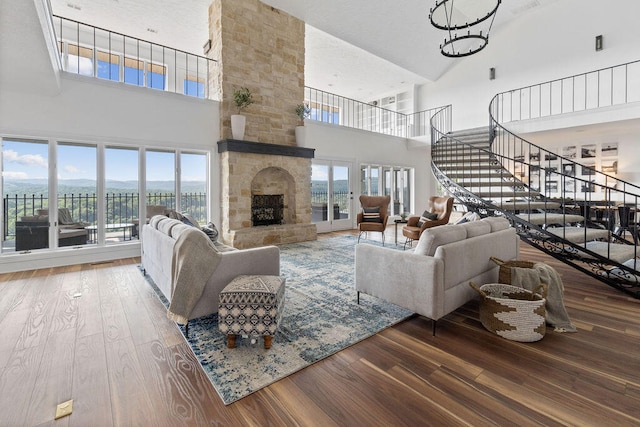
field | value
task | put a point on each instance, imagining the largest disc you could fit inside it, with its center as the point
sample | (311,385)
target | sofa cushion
(177,229)
(431,238)
(155,220)
(497,223)
(166,225)
(476,228)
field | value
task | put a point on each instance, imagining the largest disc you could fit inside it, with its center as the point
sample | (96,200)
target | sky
(29,160)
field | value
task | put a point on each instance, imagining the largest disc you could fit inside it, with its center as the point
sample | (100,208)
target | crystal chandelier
(474,16)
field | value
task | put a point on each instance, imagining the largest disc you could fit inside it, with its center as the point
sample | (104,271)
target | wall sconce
(492,73)
(207,46)
(598,42)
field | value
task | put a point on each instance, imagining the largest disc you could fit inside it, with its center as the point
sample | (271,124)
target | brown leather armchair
(373,224)
(442,206)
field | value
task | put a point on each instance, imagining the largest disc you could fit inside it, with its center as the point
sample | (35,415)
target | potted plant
(302,111)
(242,98)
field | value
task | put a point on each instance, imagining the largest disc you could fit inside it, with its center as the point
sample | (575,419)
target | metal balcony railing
(120,207)
(605,87)
(92,51)
(334,109)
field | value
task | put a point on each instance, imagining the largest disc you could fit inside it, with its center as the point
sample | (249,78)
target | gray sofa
(433,279)
(158,241)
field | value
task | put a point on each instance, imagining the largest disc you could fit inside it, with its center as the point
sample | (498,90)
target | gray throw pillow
(211,231)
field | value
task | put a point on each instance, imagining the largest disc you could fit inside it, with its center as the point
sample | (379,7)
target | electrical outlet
(63,409)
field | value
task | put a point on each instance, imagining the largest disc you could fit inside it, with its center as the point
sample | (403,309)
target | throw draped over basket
(512,312)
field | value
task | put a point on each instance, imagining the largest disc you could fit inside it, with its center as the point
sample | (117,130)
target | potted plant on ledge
(302,111)
(242,98)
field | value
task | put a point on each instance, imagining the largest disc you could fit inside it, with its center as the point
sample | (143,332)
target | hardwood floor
(97,334)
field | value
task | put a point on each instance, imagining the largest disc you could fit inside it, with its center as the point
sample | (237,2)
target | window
(194,86)
(80,60)
(108,66)
(324,113)
(395,182)
(100,208)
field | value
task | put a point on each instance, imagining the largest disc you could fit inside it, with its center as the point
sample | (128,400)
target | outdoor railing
(120,207)
(92,51)
(334,109)
(594,89)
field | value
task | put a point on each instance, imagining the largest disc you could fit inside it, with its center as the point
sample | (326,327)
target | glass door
(331,195)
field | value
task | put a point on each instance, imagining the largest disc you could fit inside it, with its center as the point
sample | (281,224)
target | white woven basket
(511,312)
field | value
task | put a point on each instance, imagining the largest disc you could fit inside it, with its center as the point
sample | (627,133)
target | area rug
(321,317)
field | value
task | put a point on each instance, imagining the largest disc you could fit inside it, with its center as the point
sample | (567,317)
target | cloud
(11,156)
(71,169)
(15,175)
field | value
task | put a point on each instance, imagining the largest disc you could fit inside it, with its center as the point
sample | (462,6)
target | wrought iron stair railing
(490,171)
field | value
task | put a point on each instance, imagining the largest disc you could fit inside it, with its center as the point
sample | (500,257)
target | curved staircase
(494,172)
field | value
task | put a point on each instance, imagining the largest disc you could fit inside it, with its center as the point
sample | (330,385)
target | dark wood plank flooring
(97,334)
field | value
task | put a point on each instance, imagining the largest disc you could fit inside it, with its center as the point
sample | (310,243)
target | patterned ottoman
(251,305)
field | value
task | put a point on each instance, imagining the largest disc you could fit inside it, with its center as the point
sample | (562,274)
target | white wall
(554,41)
(361,147)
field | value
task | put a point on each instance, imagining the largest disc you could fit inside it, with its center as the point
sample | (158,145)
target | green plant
(242,98)
(303,111)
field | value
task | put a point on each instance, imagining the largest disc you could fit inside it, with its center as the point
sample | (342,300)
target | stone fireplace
(251,169)
(261,48)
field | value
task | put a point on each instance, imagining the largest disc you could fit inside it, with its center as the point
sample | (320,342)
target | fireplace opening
(267,209)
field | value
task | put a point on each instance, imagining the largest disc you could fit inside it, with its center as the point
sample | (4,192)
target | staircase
(493,172)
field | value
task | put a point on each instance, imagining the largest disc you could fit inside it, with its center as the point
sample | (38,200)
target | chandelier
(474,16)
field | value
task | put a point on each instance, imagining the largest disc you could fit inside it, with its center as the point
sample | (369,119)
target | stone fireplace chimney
(261,48)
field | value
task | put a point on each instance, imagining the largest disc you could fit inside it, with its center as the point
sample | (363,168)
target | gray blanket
(194,261)
(530,278)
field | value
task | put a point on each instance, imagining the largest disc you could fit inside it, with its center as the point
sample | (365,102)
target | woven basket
(511,312)
(504,273)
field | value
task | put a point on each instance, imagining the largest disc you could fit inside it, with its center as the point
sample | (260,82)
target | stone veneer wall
(261,48)
(241,168)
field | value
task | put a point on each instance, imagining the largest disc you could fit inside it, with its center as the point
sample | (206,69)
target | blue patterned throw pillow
(211,231)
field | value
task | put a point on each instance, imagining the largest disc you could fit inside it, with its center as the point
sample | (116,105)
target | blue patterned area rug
(321,317)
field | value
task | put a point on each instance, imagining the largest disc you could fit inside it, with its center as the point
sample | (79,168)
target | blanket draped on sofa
(194,261)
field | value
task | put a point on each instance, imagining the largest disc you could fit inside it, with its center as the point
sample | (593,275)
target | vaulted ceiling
(356,48)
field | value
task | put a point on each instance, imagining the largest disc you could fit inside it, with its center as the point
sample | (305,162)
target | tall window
(395,182)
(25,193)
(77,194)
(121,194)
(160,178)
(193,185)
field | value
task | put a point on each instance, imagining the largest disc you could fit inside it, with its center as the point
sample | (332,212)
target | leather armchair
(442,206)
(371,202)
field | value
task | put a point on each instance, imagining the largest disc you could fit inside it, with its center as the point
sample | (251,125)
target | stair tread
(528,205)
(580,234)
(619,253)
(550,218)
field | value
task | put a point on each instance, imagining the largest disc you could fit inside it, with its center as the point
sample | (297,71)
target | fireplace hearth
(267,209)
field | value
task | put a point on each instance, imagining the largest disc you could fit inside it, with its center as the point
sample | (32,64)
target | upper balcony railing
(594,89)
(92,51)
(330,108)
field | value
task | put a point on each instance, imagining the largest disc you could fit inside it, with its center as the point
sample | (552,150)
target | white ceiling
(356,48)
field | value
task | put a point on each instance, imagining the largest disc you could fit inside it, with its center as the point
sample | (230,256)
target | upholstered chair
(438,214)
(374,214)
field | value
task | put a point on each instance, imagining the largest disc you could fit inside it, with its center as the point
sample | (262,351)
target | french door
(331,195)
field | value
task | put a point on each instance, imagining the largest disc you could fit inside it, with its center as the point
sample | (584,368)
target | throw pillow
(211,231)
(188,219)
(426,216)
(469,216)
(371,214)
